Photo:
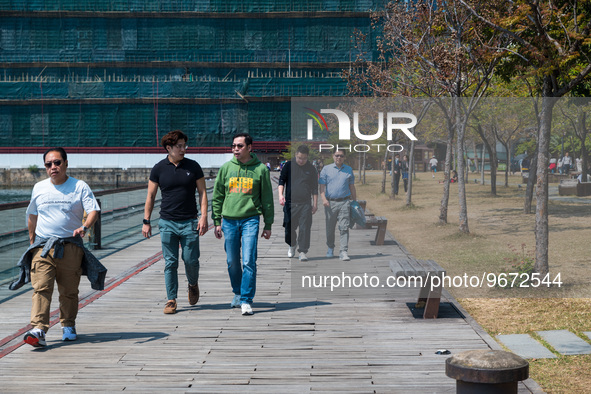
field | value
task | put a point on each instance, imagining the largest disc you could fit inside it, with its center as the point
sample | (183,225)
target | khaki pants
(45,271)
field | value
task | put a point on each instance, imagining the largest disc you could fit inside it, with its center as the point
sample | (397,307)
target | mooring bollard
(486,371)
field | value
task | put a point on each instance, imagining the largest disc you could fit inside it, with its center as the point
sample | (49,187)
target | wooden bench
(568,187)
(583,189)
(372,221)
(422,271)
(381,223)
(572,187)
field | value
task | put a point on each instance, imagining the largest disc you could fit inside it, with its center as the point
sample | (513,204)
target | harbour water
(14,195)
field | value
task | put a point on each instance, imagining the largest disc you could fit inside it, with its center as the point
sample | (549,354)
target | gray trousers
(338,213)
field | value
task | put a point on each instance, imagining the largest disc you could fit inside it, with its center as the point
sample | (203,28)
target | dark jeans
(297,217)
(397,182)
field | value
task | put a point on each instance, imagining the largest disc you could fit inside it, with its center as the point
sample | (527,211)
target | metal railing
(118,227)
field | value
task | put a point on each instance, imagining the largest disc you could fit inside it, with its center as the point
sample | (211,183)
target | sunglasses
(50,163)
(239,146)
(339,155)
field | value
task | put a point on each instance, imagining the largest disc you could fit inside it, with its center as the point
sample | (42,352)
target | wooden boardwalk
(297,341)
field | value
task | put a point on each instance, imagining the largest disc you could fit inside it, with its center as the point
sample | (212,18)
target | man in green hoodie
(242,192)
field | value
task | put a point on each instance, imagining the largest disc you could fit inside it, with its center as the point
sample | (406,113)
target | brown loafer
(170,307)
(193,294)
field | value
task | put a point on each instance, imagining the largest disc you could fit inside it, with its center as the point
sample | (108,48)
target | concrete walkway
(359,339)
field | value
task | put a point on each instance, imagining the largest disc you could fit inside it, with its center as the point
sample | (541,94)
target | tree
(549,43)
(433,48)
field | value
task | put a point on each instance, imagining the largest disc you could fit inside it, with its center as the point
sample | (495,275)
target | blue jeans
(172,234)
(243,274)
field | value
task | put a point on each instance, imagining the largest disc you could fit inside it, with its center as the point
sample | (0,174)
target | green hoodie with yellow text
(243,190)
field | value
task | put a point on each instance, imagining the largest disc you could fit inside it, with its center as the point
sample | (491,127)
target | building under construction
(118,74)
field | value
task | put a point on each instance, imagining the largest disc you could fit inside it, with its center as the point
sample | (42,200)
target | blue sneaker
(35,337)
(330,252)
(69,334)
(235,301)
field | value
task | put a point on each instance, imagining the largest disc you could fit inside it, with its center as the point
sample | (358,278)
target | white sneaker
(344,256)
(35,337)
(69,334)
(303,256)
(246,309)
(235,301)
(291,251)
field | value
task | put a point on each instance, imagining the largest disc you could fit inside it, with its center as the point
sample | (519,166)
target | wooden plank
(293,343)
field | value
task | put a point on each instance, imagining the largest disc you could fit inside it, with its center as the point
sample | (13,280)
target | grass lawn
(501,238)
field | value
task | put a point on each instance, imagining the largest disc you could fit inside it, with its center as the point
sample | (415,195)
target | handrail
(24,204)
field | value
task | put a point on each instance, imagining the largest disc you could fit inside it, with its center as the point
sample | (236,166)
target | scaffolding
(119,73)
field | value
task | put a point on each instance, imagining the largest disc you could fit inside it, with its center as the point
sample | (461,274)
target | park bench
(557,178)
(567,187)
(381,223)
(422,271)
(372,221)
(583,189)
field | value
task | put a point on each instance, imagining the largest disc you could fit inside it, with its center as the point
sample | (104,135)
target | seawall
(95,177)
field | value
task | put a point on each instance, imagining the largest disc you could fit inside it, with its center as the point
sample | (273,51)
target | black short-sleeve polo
(178,185)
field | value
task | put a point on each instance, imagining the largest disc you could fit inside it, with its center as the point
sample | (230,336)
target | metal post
(487,371)
(96,233)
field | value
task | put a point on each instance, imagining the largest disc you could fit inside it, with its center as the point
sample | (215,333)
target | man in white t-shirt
(433,164)
(55,220)
(567,163)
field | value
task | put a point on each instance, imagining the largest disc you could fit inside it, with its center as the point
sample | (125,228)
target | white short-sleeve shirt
(60,208)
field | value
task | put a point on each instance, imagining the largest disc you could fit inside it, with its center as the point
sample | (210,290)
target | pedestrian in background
(404,170)
(567,163)
(298,193)
(433,164)
(396,167)
(337,189)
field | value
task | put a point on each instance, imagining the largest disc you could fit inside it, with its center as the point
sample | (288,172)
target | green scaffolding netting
(120,73)
(28,39)
(139,125)
(190,5)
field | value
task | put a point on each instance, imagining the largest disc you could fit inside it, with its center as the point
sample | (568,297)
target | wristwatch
(146,221)
(84,228)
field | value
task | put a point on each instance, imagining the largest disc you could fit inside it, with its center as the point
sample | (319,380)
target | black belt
(338,199)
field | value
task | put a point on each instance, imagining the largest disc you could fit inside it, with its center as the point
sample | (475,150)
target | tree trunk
(445,198)
(364,167)
(492,155)
(493,174)
(411,173)
(529,191)
(476,167)
(384,172)
(461,124)
(360,160)
(494,163)
(584,161)
(541,229)
(583,137)
(482,167)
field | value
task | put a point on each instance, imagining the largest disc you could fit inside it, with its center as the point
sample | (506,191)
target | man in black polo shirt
(300,184)
(178,179)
